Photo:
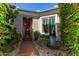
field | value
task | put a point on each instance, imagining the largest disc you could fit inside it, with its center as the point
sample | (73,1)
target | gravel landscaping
(46,51)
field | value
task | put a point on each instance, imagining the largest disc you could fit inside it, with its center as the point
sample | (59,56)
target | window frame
(48,18)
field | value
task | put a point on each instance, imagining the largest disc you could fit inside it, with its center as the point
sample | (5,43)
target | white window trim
(41,27)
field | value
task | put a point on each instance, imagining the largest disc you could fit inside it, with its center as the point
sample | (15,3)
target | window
(48,24)
(45,25)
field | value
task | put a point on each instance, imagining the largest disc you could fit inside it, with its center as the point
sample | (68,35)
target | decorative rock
(50,52)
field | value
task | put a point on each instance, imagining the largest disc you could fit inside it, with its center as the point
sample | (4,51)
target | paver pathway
(28,49)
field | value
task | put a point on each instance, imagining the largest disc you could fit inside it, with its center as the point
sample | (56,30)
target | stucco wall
(57,26)
(37,21)
(18,23)
(35,24)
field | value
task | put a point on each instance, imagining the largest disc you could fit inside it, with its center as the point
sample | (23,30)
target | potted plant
(36,35)
(52,40)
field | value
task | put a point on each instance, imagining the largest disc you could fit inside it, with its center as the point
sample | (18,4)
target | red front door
(27,23)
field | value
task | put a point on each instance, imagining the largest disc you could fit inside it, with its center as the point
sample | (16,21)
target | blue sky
(35,6)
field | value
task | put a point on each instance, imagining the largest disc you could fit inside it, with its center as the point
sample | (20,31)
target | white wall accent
(58,29)
(35,24)
(40,25)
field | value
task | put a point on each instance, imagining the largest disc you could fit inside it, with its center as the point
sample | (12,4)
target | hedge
(69,15)
(8,35)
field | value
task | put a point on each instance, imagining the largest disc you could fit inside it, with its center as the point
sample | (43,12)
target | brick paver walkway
(28,49)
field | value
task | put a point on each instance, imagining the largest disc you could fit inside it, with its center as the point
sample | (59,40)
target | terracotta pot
(58,45)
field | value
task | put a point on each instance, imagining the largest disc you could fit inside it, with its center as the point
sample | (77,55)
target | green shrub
(37,35)
(45,36)
(7,49)
(69,15)
(42,41)
(8,35)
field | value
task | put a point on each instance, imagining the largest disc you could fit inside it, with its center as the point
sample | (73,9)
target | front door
(27,23)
